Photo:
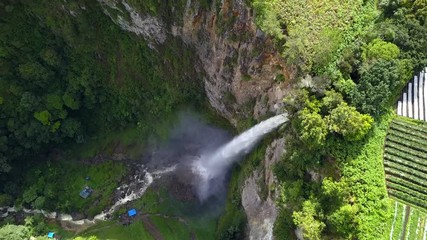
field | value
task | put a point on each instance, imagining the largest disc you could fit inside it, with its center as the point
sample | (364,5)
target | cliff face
(261,213)
(239,61)
(242,75)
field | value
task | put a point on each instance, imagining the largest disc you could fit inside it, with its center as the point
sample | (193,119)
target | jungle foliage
(354,58)
(69,76)
(64,77)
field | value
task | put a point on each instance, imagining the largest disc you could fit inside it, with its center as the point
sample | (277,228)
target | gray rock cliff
(241,80)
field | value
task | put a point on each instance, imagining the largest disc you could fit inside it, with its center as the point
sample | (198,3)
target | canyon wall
(244,77)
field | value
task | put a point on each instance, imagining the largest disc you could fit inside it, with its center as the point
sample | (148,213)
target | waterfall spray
(190,139)
(211,167)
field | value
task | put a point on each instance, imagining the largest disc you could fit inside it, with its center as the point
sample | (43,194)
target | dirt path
(151,228)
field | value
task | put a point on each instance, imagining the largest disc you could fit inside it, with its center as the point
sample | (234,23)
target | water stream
(194,147)
(130,193)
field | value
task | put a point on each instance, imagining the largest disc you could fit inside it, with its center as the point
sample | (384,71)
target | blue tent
(132,212)
(50,234)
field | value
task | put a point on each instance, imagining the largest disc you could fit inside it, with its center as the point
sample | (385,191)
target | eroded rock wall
(240,63)
(241,80)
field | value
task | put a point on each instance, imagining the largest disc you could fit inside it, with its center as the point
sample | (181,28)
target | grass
(315,31)
(171,228)
(168,227)
(160,201)
(171,217)
(69,173)
(116,231)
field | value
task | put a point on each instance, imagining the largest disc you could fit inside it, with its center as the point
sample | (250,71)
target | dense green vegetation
(71,78)
(350,197)
(69,84)
(44,188)
(36,226)
(405,162)
(353,57)
(63,78)
(314,33)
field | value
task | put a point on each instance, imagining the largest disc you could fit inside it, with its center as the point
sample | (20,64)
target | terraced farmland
(405,163)
(408,223)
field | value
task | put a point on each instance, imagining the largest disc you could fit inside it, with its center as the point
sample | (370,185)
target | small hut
(85,193)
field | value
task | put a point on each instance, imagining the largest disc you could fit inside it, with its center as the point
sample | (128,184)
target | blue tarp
(132,212)
(85,193)
(50,234)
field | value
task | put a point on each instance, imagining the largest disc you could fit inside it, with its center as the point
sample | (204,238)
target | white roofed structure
(413,101)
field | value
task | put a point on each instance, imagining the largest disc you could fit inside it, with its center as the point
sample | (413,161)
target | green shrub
(349,122)
(14,232)
(379,49)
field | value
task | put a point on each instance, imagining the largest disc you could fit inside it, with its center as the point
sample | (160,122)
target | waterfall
(211,167)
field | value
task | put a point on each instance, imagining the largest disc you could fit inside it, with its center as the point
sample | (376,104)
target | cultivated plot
(408,223)
(405,162)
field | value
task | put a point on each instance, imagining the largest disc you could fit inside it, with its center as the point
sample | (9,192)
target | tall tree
(346,120)
(308,220)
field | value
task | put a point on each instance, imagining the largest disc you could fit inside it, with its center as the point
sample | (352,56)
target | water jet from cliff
(211,168)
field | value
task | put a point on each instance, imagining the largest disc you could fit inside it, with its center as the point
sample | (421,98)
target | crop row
(419,174)
(407,198)
(421,128)
(398,219)
(417,195)
(405,149)
(406,156)
(408,184)
(409,137)
(410,225)
(407,177)
(422,231)
(407,130)
(414,224)
(406,203)
(410,144)
(405,162)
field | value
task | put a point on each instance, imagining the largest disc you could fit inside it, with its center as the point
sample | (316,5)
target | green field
(112,230)
(405,162)
(163,213)
(408,223)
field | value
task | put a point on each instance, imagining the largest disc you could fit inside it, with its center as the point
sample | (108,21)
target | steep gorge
(240,68)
